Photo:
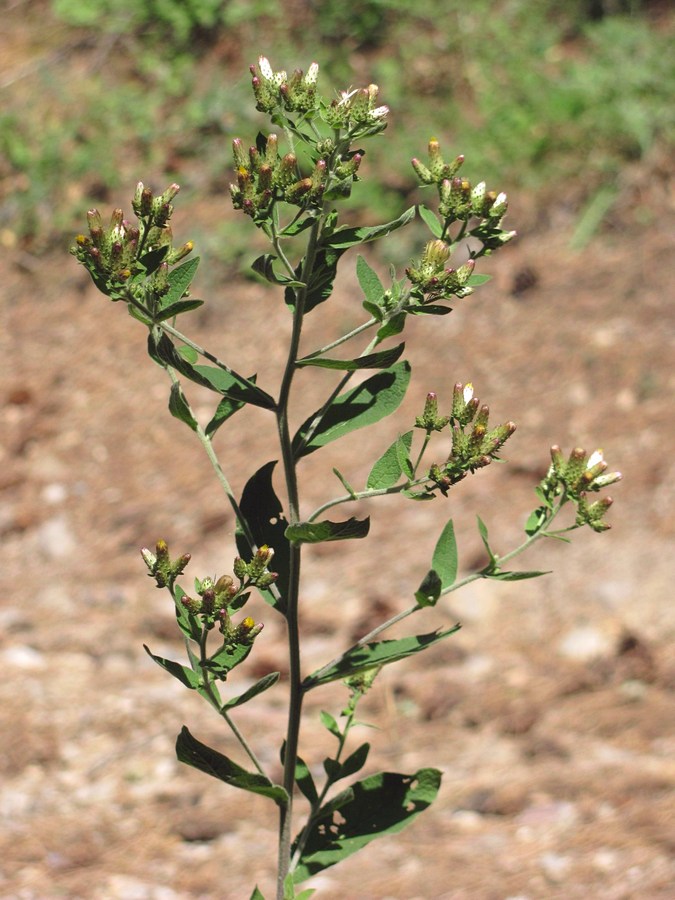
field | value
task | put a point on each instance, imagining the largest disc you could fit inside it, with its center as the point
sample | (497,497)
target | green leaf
(380,360)
(445,560)
(536,520)
(180,408)
(387,470)
(187,622)
(343,238)
(370,282)
(152,260)
(267,681)
(180,280)
(374,399)
(320,532)
(482,530)
(264,514)
(355,761)
(513,576)
(429,591)
(188,353)
(218,379)
(305,781)
(264,265)
(345,484)
(476,280)
(256,895)
(224,410)
(379,653)
(391,327)
(431,220)
(380,804)
(193,753)
(330,724)
(320,285)
(298,226)
(429,309)
(184,674)
(403,458)
(227,658)
(180,306)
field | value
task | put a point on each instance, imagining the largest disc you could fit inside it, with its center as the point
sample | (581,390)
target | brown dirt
(551,712)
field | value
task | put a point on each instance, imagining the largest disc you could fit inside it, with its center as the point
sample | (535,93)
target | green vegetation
(546,91)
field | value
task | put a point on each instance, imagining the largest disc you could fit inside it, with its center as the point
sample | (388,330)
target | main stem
(291,605)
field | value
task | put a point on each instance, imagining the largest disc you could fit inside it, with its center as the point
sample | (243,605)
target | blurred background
(555,97)
(551,711)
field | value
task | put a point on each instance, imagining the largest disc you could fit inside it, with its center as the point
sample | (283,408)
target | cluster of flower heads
(474,446)
(578,476)
(275,89)
(264,177)
(460,201)
(114,254)
(216,598)
(432,280)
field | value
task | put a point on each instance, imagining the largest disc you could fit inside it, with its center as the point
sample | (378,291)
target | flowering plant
(293,197)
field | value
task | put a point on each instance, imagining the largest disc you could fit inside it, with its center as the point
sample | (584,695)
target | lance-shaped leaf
(264,265)
(224,410)
(388,470)
(343,238)
(353,764)
(180,408)
(222,380)
(264,514)
(267,681)
(227,658)
(477,279)
(200,756)
(183,673)
(180,306)
(379,360)
(320,285)
(483,531)
(152,260)
(429,591)
(445,559)
(320,532)
(374,399)
(180,280)
(187,622)
(370,282)
(514,576)
(431,220)
(378,805)
(379,653)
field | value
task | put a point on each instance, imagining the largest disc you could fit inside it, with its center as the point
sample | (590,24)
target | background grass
(544,95)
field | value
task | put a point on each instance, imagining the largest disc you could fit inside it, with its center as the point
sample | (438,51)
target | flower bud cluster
(579,475)
(357,112)
(274,89)
(460,201)
(161,567)
(432,280)
(112,254)
(430,419)
(474,445)
(264,177)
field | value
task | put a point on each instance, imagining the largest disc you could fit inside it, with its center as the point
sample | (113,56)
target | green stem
(206,443)
(291,606)
(474,576)
(216,702)
(343,339)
